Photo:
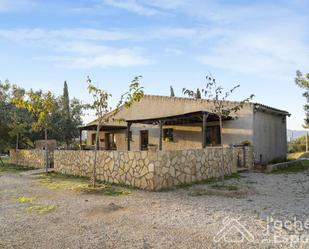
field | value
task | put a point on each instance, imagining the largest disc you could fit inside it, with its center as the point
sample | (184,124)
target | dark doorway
(144,140)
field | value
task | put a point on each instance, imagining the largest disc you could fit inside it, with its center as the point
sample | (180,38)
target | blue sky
(257,44)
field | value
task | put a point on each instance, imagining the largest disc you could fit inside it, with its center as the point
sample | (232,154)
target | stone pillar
(161,134)
(128,136)
(204,127)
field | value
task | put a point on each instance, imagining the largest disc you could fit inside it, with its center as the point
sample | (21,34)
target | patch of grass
(231,191)
(296,168)
(105,190)
(41,209)
(56,181)
(225,187)
(26,199)
(38,208)
(212,180)
(5,160)
(297,155)
(12,168)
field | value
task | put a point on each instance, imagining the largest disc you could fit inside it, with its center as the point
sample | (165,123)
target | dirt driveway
(34,215)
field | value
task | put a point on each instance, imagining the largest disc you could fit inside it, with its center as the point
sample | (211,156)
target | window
(93,137)
(168,135)
(213,135)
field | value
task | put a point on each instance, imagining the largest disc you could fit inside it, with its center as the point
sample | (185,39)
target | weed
(26,199)
(41,209)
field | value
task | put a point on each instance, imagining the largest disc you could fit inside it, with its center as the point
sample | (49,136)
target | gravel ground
(172,219)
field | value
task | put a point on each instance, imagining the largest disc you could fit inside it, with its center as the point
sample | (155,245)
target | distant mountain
(294,134)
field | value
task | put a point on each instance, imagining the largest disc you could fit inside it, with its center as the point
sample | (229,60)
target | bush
(298,145)
(246,143)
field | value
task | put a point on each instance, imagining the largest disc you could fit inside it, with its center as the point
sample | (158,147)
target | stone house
(175,123)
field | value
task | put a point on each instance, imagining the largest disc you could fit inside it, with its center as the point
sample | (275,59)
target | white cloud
(133,6)
(77,34)
(87,55)
(78,48)
(17,5)
(274,52)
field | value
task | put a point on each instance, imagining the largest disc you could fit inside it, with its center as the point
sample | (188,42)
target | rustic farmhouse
(174,123)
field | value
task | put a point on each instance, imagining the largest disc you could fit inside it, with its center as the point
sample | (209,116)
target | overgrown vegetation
(297,145)
(56,181)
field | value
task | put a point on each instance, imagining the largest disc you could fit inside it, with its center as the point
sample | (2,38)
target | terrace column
(205,116)
(128,135)
(161,134)
(80,138)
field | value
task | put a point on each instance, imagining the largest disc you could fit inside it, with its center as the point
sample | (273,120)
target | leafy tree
(172,91)
(134,94)
(41,105)
(17,127)
(18,118)
(4,114)
(101,107)
(303,82)
(217,98)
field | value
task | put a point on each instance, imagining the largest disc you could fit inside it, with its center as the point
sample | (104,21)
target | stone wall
(129,168)
(145,169)
(186,166)
(30,158)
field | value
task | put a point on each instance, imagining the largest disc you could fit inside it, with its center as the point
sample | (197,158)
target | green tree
(4,114)
(303,82)
(18,118)
(172,92)
(42,106)
(217,98)
(198,94)
(17,128)
(101,107)
(67,124)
